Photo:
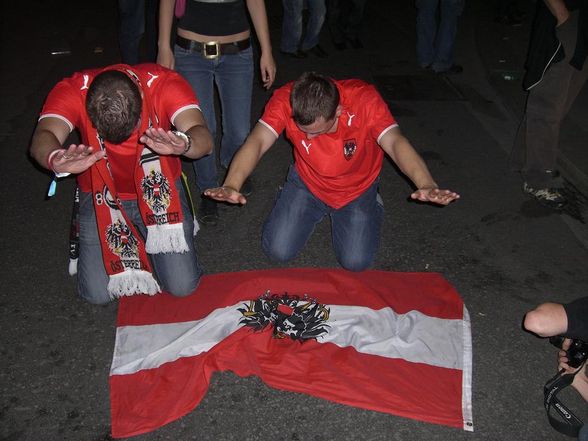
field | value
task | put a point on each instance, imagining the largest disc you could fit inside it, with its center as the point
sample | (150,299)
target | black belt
(212,49)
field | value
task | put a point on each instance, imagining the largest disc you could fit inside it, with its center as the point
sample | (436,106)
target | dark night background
(502,252)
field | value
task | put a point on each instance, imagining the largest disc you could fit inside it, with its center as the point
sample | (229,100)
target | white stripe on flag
(413,336)
(466,379)
(150,346)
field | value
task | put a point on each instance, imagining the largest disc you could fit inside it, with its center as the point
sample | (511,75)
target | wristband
(50,159)
(187,139)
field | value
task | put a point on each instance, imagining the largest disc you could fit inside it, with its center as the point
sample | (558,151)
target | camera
(577,353)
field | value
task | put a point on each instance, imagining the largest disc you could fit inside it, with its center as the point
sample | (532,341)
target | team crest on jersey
(349,147)
(121,240)
(290,316)
(156,191)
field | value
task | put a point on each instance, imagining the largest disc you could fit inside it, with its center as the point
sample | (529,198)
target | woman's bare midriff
(218,38)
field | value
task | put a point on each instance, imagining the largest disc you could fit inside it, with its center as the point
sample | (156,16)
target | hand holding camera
(574,351)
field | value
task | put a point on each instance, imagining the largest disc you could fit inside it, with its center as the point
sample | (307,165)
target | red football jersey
(337,167)
(170,95)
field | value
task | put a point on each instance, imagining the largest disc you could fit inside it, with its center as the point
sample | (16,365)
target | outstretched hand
(435,195)
(163,142)
(226,194)
(75,159)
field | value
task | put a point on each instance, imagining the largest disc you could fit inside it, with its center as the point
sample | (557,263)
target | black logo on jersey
(349,147)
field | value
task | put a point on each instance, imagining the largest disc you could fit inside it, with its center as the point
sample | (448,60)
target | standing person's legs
(291,25)
(317,11)
(356,230)
(355,19)
(426,27)
(336,22)
(541,125)
(445,43)
(292,220)
(131,29)
(547,104)
(234,79)
(151,26)
(199,72)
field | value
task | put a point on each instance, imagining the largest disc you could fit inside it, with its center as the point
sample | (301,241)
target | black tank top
(208,18)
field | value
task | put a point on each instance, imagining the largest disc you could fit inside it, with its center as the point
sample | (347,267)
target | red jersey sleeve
(175,95)
(66,102)
(277,111)
(379,115)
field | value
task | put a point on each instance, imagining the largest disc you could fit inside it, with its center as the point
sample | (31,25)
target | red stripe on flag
(428,293)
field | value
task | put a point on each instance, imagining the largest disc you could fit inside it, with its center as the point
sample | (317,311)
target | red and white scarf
(123,251)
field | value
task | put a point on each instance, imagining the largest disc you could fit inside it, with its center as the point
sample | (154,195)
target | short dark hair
(313,95)
(114,105)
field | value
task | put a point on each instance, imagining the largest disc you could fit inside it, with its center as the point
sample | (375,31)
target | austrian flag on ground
(398,343)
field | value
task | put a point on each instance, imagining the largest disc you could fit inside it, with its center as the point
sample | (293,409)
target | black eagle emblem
(290,316)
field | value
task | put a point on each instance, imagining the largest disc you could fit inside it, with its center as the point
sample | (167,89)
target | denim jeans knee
(177,273)
(292,220)
(356,230)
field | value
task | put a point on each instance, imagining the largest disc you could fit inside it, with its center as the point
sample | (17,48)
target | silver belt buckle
(211,50)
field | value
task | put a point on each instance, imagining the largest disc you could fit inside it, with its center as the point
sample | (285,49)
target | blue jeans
(436,39)
(292,24)
(233,76)
(355,227)
(583,435)
(177,273)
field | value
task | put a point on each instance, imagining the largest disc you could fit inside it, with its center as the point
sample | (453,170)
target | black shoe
(549,197)
(453,69)
(208,211)
(318,51)
(297,54)
(247,188)
(356,43)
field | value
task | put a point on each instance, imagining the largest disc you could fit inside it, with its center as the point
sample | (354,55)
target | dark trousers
(344,18)
(137,19)
(537,142)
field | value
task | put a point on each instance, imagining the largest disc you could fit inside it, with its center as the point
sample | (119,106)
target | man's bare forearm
(201,144)
(248,156)
(49,135)
(242,165)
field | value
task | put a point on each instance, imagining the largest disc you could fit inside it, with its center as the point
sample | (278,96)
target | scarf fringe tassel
(132,282)
(73,267)
(167,238)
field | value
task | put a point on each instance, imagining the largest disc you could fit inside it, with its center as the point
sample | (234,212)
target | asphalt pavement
(502,251)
